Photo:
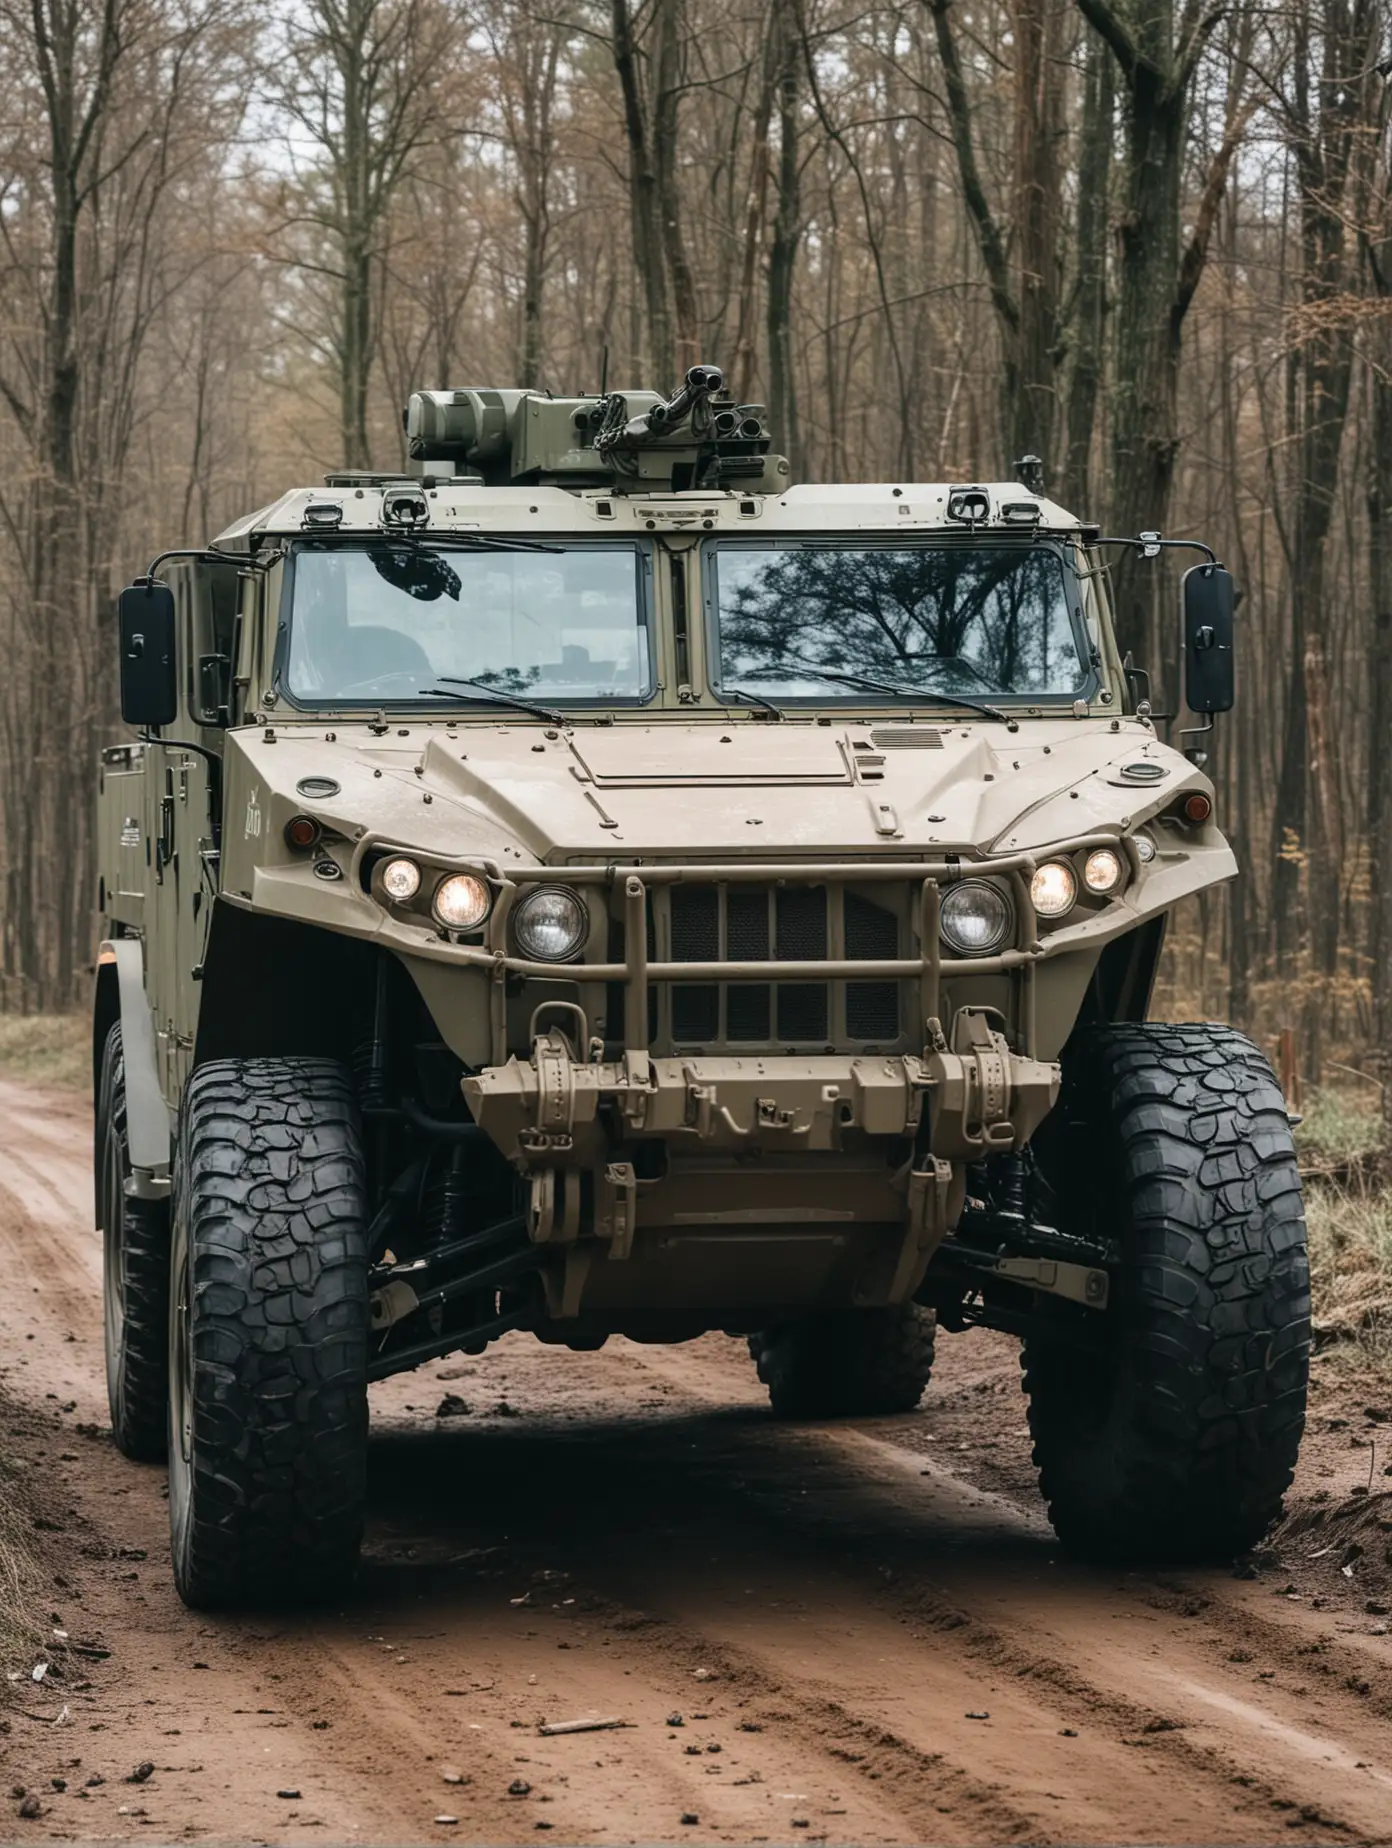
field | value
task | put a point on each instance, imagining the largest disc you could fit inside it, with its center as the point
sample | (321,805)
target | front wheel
(1177,1437)
(848,1362)
(268,1334)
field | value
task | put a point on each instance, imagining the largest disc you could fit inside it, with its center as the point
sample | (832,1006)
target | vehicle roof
(809,507)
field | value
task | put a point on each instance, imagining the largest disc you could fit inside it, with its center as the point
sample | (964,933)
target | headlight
(401,880)
(976,918)
(1102,870)
(550,923)
(1053,888)
(461,902)
(1145,849)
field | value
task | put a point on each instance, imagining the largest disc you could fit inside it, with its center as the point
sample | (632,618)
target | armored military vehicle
(590,885)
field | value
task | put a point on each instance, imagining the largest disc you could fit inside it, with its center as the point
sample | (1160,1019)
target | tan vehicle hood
(702,787)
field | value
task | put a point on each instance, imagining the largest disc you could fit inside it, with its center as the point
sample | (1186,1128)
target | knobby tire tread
(271,1181)
(1180,1442)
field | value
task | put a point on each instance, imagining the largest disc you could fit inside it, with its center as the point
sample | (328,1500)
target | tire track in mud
(826,1605)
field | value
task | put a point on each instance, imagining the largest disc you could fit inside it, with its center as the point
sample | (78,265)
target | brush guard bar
(637,972)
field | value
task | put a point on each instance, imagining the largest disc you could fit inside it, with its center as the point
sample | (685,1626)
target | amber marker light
(1197,807)
(301,832)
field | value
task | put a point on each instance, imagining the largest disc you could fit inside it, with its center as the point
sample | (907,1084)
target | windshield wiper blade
(754,699)
(464,542)
(931,695)
(484,695)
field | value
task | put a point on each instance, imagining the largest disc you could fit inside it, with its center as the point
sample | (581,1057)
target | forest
(1147,241)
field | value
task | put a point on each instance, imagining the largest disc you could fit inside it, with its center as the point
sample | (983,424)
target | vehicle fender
(147,1114)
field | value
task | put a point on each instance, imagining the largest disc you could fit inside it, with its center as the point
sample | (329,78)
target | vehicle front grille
(792,923)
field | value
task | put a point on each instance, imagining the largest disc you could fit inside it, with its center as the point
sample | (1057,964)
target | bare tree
(1157,45)
(119,102)
(358,82)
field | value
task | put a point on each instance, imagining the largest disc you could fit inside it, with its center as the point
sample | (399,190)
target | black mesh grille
(747,924)
(695,938)
(747,1004)
(695,924)
(802,923)
(695,1011)
(791,923)
(802,934)
(802,1010)
(872,933)
(872,1010)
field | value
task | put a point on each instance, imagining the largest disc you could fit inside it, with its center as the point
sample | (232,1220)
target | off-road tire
(268,1334)
(135,1278)
(1179,1439)
(849,1363)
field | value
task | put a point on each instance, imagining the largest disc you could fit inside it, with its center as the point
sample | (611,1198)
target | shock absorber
(455,1218)
(1009,1180)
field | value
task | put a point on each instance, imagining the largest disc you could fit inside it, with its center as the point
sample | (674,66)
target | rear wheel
(135,1278)
(1179,1437)
(268,1334)
(851,1362)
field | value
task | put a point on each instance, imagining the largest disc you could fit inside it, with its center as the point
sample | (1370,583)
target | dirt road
(866,1630)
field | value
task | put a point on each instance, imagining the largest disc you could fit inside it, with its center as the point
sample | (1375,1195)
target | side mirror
(149,684)
(1208,639)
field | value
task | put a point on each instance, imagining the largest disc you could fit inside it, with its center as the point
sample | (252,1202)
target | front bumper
(880,1140)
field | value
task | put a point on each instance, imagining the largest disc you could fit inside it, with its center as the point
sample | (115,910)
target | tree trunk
(1090,313)
(783,245)
(658,362)
(1380,714)
(1145,417)
(1030,429)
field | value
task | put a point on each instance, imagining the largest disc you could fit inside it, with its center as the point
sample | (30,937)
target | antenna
(604,371)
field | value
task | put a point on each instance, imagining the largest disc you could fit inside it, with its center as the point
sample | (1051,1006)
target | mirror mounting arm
(208,554)
(1150,545)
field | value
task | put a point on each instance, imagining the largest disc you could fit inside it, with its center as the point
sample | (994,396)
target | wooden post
(1290,1069)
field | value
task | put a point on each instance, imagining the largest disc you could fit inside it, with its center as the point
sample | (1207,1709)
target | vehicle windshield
(941,620)
(387,622)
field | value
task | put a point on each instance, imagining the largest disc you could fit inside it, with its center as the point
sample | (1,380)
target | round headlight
(401,880)
(1102,870)
(1145,849)
(461,902)
(550,923)
(1053,888)
(975,917)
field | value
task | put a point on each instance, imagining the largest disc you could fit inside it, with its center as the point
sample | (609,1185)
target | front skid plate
(555,1111)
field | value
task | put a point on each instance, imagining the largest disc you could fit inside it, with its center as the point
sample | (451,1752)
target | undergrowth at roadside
(52,1049)
(20,1629)
(1346,1162)
(1341,1128)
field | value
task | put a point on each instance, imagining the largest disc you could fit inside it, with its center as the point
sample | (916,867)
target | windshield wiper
(484,695)
(754,699)
(931,695)
(464,542)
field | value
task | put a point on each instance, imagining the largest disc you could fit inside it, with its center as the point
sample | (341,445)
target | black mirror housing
(1208,639)
(149,678)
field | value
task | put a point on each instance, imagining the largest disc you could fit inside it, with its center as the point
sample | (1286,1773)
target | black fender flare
(121,996)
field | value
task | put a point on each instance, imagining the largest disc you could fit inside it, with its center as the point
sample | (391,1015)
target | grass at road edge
(1346,1163)
(21,1632)
(51,1049)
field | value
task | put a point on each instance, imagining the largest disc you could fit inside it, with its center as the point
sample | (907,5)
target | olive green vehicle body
(668,1184)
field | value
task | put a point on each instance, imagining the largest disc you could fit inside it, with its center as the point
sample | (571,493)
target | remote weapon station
(589,885)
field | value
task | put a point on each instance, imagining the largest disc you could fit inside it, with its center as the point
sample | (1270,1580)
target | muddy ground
(857,1632)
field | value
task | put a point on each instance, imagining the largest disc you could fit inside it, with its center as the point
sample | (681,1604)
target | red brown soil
(866,1628)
